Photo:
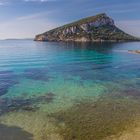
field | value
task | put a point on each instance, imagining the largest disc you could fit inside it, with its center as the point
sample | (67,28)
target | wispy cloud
(26,26)
(33,16)
(38,0)
(3,2)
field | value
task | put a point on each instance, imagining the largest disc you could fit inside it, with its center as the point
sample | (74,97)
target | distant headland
(99,28)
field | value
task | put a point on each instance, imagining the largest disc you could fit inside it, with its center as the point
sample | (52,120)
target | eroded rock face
(97,28)
(41,37)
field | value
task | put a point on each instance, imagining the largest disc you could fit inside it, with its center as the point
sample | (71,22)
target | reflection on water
(47,88)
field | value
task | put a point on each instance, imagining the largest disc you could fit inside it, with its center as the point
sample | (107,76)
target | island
(99,28)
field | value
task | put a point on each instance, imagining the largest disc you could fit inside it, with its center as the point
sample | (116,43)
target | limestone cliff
(96,29)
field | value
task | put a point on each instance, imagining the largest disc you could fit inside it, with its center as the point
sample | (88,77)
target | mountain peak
(95,28)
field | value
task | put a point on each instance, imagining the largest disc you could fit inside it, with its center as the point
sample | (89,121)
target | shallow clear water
(52,77)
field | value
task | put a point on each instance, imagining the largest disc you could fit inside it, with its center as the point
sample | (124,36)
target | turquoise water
(50,77)
(74,70)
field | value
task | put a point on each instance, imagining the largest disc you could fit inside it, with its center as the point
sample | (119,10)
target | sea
(68,90)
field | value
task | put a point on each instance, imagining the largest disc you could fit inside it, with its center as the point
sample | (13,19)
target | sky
(26,18)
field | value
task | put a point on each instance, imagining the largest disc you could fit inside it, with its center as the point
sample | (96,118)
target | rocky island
(97,28)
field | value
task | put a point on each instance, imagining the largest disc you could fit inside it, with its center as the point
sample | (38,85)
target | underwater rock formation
(30,104)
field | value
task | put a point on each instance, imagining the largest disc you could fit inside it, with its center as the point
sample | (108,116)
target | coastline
(88,41)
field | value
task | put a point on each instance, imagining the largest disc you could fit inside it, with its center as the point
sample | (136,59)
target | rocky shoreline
(134,51)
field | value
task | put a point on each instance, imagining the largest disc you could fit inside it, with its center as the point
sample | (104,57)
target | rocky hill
(97,28)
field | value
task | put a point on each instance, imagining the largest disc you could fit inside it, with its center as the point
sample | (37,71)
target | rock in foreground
(97,28)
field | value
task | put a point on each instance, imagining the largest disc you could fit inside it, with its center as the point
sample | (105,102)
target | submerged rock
(31,104)
(97,28)
(7,80)
(46,98)
(36,74)
(97,120)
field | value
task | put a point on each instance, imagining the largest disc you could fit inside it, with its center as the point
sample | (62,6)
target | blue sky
(26,18)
